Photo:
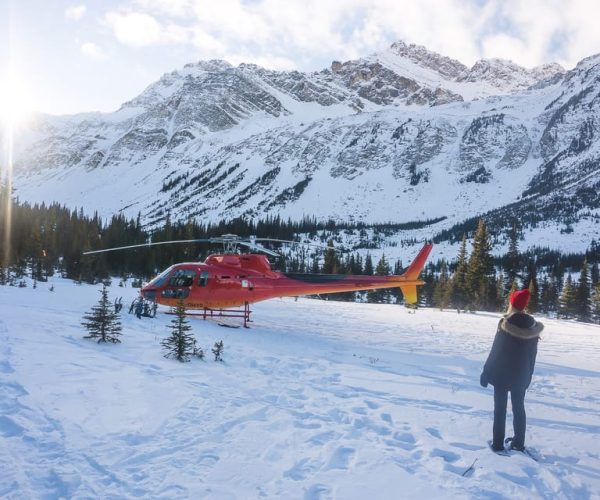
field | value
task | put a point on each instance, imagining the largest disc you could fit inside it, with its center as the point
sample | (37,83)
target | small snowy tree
(217,350)
(567,300)
(198,351)
(102,322)
(180,344)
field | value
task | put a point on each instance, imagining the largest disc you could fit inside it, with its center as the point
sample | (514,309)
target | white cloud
(305,31)
(138,29)
(75,13)
(92,51)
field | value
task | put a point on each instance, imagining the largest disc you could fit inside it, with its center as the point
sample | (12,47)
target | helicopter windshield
(161,278)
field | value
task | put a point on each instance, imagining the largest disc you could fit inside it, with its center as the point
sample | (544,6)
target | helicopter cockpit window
(182,277)
(160,279)
(203,281)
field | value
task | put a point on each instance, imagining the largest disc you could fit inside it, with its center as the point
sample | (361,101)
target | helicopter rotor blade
(151,244)
(323,247)
(259,247)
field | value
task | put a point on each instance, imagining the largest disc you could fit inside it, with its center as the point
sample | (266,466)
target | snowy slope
(317,400)
(398,136)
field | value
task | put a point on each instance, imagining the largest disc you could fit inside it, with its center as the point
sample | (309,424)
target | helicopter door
(203,281)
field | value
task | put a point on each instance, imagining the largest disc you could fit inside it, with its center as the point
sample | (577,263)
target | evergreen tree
(102,322)
(548,296)
(583,304)
(315,268)
(567,300)
(480,270)
(594,276)
(180,344)
(217,350)
(596,304)
(330,261)
(534,300)
(441,292)
(380,295)
(512,261)
(513,288)
(500,306)
(368,265)
(458,290)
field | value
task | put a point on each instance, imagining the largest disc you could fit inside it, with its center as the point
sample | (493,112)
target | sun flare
(15,102)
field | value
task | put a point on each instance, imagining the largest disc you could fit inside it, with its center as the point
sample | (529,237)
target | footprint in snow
(9,428)
(404,440)
(208,460)
(434,432)
(386,417)
(317,492)
(341,458)
(323,437)
(302,469)
(448,456)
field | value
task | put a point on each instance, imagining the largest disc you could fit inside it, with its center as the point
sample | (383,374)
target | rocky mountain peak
(210,65)
(447,67)
(507,75)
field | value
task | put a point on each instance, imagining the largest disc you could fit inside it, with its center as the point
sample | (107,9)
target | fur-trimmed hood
(521,325)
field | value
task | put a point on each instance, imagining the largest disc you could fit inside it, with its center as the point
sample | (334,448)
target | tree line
(48,239)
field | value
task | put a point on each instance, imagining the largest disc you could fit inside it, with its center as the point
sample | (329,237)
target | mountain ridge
(404,127)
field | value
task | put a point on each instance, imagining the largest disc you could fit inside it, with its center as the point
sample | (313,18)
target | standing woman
(509,368)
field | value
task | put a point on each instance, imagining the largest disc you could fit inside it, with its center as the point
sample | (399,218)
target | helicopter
(233,279)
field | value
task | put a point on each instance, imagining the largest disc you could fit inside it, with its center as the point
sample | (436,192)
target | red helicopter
(232,279)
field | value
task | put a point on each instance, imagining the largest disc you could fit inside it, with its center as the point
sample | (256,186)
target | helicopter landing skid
(223,313)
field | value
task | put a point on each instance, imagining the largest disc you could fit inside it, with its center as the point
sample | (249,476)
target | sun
(15,102)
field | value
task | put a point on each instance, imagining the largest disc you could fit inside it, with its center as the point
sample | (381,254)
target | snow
(318,399)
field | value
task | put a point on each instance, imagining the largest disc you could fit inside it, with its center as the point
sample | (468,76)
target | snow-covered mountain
(402,135)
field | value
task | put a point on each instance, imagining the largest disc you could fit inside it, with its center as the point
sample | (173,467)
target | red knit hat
(520,299)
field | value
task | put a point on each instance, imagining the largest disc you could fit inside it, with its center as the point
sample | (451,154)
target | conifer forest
(49,239)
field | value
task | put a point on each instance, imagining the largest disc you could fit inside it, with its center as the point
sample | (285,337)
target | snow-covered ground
(317,400)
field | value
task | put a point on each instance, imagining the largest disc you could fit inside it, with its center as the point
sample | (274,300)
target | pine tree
(217,350)
(512,260)
(534,302)
(500,306)
(567,300)
(513,288)
(596,304)
(458,290)
(315,269)
(102,322)
(441,292)
(532,285)
(548,296)
(180,344)
(583,304)
(480,270)
(330,261)
(382,269)
(368,265)
(595,276)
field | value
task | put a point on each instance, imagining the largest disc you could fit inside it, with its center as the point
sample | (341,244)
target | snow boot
(513,446)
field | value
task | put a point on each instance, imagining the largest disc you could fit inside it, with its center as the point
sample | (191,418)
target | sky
(72,56)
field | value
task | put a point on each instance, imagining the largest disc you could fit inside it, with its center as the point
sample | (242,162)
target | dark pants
(517,399)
